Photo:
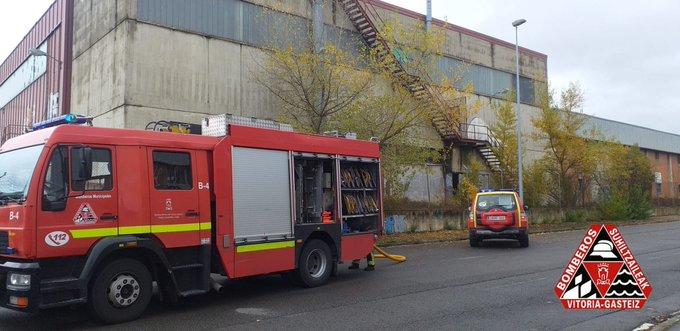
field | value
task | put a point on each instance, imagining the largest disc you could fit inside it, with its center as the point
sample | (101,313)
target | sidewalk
(456,235)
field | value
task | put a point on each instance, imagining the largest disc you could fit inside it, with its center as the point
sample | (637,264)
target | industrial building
(129,62)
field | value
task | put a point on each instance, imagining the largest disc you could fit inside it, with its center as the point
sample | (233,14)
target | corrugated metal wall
(486,81)
(30,106)
(228,19)
(631,135)
(255,25)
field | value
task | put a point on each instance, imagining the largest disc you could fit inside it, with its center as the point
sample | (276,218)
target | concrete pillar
(317,25)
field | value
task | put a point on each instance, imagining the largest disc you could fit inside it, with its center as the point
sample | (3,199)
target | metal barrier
(478,133)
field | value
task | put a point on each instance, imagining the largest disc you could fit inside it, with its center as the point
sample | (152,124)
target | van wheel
(121,291)
(315,265)
(524,241)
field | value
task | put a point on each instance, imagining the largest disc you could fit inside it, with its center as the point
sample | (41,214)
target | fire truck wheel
(121,291)
(524,240)
(316,264)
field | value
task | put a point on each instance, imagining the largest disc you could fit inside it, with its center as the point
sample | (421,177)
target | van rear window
(496,201)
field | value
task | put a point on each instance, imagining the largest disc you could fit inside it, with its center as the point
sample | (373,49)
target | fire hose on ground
(384,255)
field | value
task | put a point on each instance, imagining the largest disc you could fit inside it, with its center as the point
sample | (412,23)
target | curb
(660,323)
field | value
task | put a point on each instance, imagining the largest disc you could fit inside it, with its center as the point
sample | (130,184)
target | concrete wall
(128,72)
(140,73)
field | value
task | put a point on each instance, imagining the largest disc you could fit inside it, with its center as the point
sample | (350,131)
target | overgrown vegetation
(624,179)
(332,88)
(504,129)
(579,168)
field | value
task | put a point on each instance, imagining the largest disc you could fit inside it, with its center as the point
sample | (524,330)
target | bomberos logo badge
(603,274)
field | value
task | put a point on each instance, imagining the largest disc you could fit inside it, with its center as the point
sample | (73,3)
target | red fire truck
(95,216)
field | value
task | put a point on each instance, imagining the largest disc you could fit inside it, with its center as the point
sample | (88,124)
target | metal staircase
(481,138)
(363,18)
(449,127)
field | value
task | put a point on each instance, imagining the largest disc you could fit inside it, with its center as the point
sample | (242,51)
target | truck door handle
(192,213)
(108,217)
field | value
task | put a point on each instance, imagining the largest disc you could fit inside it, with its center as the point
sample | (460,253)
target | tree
(569,160)
(624,178)
(313,87)
(504,129)
(397,121)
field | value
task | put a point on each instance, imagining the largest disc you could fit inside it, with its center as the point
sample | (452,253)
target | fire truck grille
(4,239)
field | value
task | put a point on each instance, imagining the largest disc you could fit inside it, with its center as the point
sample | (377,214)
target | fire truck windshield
(16,169)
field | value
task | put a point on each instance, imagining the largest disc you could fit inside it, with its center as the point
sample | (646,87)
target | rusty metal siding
(30,105)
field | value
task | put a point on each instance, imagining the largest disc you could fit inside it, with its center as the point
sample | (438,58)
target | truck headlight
(18,282)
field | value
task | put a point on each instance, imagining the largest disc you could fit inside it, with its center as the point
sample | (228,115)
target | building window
(656,155)
(658,190)
(172,171)
(102,177)
(22,77)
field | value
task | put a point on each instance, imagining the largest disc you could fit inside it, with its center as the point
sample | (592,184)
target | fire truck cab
(95,216)
(498,215)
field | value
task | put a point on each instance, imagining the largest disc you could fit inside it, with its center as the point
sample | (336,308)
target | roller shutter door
(261,191)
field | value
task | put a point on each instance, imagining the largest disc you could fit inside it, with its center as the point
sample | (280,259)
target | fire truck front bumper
(19,285)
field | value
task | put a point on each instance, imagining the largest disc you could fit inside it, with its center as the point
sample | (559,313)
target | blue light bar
(64,119)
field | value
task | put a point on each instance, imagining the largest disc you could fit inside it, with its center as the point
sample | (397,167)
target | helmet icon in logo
(603,249)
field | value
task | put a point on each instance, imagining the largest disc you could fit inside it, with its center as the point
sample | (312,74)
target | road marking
(254,311)
(469,257)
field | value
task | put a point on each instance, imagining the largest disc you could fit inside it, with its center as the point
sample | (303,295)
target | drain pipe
(428,16)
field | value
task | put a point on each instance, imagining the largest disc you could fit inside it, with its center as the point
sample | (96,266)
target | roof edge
(407,12)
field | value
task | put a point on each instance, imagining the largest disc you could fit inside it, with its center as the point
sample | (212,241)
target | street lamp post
(37,52)
(520,182)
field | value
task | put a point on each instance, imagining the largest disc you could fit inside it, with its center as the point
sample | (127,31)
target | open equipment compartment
(315,183)
(360,195)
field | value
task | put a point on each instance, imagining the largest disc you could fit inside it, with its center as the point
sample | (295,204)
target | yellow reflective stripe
(123,230)
(94,233)
(175,228)
(134,229)
(265,246)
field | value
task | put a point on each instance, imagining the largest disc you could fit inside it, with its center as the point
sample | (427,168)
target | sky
(624,54)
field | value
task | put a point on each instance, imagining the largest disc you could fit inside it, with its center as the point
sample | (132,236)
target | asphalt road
(447,285)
